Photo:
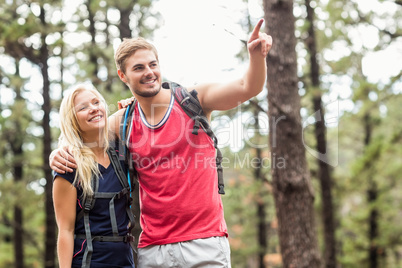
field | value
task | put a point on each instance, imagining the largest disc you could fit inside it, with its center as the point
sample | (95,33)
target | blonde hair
(71,138)
(128,47)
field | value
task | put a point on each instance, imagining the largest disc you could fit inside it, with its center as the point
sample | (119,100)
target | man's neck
(156,107)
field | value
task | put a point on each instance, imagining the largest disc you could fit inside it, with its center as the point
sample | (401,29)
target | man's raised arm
(230,95)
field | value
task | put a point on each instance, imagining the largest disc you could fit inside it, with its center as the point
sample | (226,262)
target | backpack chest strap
(123,238)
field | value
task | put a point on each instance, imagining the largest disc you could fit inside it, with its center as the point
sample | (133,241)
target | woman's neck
(93,141)
(97,147)
(98,151)
(101,156)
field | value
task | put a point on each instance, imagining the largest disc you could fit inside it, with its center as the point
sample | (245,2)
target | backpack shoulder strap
(89,203)
(191,105)
(132,175)
(125,122)
(114,159)
(123,144)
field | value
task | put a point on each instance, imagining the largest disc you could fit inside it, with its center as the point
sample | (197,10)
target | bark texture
(292,188)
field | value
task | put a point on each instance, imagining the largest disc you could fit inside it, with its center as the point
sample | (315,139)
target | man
(181,211)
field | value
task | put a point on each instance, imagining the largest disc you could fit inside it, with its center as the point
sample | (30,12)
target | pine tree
(292,187)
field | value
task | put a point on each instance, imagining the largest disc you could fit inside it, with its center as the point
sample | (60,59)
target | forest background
(312,182)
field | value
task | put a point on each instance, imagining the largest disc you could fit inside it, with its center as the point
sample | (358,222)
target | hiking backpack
(190,104)
(89,202)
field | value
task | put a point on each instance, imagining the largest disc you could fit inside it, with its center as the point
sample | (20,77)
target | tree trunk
(18,230)
(261,215)
(292,188)
(50,243)
(324,172)
(93,58)
(15,139)
(326,186)
(124,26)
(50,233)
(372,194)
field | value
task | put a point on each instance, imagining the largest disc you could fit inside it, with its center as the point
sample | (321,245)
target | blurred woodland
(317,182)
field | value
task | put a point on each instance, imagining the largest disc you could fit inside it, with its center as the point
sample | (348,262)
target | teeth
(96,118)
(149,82)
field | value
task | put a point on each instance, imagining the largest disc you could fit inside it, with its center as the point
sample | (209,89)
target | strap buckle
(122,193)
(128,238)
(88,206)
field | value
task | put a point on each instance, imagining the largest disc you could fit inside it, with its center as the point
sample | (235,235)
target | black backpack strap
(88,205)
(221,185)
(191,105)
(89,202)
(126,239)
(114,159)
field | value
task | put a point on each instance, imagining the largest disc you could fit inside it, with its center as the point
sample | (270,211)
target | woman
(92,203)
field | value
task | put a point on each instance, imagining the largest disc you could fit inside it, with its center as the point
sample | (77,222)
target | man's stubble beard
(148,93)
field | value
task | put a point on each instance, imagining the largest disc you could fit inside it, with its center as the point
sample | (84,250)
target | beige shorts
(206,252)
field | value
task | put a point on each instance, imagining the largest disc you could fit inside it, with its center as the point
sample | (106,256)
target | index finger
(254,34)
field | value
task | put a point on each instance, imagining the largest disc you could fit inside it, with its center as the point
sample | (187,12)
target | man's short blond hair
(128,47)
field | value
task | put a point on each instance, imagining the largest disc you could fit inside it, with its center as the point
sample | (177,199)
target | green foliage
(378,165)
(76,56)
(244,190)
(25,29)
(339,26)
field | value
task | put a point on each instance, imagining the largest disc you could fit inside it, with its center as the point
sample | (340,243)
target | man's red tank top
(179,197)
